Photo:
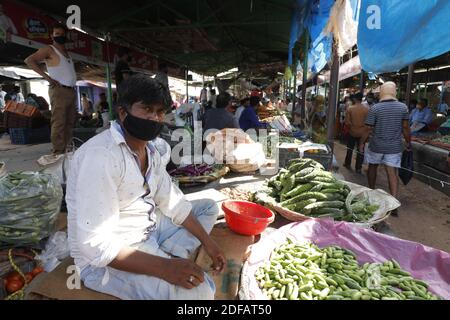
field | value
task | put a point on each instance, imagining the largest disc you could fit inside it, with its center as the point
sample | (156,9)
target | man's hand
(184,273)
(216,255)
(53,82)
(409,147)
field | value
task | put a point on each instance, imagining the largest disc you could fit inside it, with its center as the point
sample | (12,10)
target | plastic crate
(285,155)
(14,120)
(326,159)
(29,136)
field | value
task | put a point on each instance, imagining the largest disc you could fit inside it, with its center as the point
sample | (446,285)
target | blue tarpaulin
(393,34)
(321,44)
(301,13)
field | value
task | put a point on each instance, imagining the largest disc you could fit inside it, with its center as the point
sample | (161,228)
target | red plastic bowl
(247,218)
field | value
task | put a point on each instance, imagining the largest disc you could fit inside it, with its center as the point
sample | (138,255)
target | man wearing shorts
(386,122)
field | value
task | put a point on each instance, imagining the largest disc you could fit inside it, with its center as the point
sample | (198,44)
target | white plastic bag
(56,250)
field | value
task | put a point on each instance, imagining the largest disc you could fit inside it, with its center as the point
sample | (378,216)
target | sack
(408,164)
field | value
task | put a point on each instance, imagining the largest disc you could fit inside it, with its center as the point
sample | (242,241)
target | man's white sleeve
(97,206)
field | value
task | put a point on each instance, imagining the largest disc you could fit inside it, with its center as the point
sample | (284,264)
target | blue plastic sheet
(301,13)
(408,31)
(321,44)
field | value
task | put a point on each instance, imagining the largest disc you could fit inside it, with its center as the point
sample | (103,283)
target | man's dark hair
(122,51)
(413,101)
(254,101)
(83,95)
(357,97)
(162,66)
(424,102)
(60,26)
(141,88)
(213,91)
(244,101)
(223,100)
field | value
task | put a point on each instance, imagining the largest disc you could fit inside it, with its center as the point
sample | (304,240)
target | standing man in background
(386,122)
(122,70)
(62,78)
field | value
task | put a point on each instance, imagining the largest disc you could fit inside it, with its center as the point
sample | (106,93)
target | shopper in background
(420,117)
(86,106)
(122,70)
(386,122)
(221,117)
(355,119)
(213,98)
(249,118)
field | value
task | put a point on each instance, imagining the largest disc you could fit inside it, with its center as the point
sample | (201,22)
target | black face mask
(60,39)
(142,129)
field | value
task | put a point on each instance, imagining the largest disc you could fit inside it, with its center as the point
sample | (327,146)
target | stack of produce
(197,174)
(236,194)
(303,271)
(307,188)
(192,170)
(29,205)
(267,111)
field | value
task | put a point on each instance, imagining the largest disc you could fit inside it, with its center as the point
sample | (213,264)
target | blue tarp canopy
(393,34)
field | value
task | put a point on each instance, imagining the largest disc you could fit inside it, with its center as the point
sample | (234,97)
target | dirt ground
(424,215)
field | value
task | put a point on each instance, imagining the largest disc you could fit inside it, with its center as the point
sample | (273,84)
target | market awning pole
(362,82)
(305,78)
(187,86)
(332,105)
(409,84)
(294,90)
(108,79)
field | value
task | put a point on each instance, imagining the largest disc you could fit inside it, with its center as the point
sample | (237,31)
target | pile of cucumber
(303,271)
(307,188)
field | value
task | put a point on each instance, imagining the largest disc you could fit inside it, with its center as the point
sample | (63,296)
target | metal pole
(409,84)
(187,86)
(332,106)
(362,82)
(305,79)
(108,80)
(295,89)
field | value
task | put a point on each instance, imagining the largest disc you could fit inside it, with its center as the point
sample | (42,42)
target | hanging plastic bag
(407,166)
(56,250)
(29,205)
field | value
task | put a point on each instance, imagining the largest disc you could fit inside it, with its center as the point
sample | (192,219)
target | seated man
(131,230)
(420,117)
(220,117)
(249,118)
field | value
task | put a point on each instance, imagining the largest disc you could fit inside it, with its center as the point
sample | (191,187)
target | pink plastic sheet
(425,263)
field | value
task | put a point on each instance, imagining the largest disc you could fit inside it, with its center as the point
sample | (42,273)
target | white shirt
(20,98)
(107,201)
(2,99)
(204,95)
(64,72)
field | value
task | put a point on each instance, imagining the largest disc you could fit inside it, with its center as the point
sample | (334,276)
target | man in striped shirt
(386,122)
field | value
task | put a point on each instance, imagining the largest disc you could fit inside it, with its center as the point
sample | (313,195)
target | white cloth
(238,112)
(342,25)
(109,204)
(6,24)
(64,73)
